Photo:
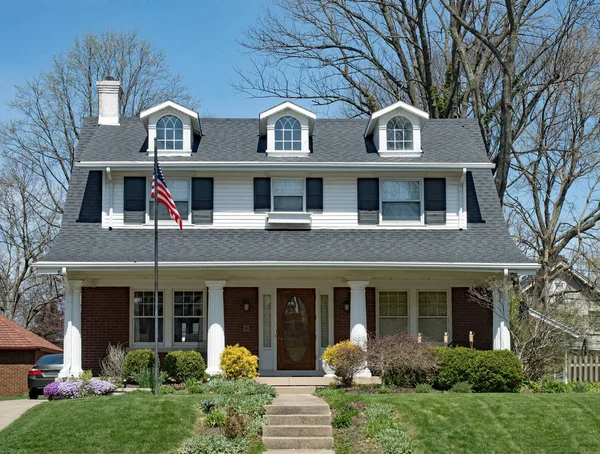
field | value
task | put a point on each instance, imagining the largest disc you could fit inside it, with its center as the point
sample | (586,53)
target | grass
(491,423)
(24,396)
(138,423)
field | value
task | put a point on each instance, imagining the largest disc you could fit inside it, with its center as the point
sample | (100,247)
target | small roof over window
(397,106)
(290,109)
(194,117)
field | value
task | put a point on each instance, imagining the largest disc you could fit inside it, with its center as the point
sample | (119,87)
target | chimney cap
(109,78)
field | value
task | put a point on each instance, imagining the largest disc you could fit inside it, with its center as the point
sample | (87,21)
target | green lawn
(138,423)
(496,423)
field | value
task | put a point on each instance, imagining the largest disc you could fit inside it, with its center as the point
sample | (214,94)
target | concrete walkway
(299,422)
(11,410)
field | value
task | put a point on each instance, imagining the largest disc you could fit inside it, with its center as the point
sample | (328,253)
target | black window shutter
(135,200)
(314,193)
(435,194)
(368,194)
(202,193)
(262,194)
(91,205)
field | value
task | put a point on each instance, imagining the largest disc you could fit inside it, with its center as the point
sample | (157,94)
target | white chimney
(109,101)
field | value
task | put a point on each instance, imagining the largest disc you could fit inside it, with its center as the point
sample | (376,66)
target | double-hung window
(180,191)
(143,317)
(433,315)
(288,195)
(188,316)
(401,200)
(393,312)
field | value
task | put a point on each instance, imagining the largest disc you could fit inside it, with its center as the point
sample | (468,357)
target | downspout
(462,197)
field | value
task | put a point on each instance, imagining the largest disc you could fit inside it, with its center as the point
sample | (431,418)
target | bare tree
(49,108)
(541,330)
(455,58)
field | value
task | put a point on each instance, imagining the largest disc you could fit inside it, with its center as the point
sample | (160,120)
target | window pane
(401,211)
(267,321)
(396,191)
(279,134)
(278,145)
(433,328)
(389,326)
(288,187)
(287,204)
(296,135)
(144,329)
(188,330)
(324,321)
(179,134)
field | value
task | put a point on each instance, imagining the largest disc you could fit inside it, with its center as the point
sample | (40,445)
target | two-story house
(298,232)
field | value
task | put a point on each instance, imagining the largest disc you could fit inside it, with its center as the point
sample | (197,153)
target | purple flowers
(73,388)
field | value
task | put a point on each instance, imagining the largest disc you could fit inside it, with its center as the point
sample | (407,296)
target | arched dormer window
(288,134)
(399,134)
(169,133)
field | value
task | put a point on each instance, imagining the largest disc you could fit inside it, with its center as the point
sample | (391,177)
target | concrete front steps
(298,423)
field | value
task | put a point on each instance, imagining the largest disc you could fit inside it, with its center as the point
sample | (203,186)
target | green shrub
(137,360)
(346,358)
(462,387)
(237,362)
(379,417)
(194,386)
(394,441)
(554,387)
(244,387)
(580,387)
(214,444)
(166,389)
(255,426)
(384,391)
(182,365)
(454,366)
(423,388)
(247,405)
(215,418)
(342,419)
(496,371)
(145,378)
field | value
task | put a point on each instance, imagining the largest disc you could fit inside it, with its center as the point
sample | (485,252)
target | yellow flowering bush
(346,358)
(237,362)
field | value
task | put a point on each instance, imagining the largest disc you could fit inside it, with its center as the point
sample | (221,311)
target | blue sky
(199,38)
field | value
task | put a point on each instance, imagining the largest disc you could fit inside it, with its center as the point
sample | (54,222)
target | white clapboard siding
(339,204)
(234,203)
(453,188)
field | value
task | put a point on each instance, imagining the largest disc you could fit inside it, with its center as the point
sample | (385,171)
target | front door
(295,329)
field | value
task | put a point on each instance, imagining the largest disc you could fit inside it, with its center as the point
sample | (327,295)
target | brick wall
(13,371)
(341,318)
(236,317)
(470,316)
(104,320)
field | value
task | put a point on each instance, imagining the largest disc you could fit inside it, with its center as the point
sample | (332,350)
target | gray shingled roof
(482,242)
(236,139)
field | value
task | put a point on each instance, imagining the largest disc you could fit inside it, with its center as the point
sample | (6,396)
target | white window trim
(203,319)
(132,318)
(421,220)
(448,310)
(408,318)
(402,117)
(188,132)
(168,222)
(304,151)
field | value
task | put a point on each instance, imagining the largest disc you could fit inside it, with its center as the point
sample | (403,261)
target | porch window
(188,316)
(180,191)
(401,200)
(433,315)
(393,312)
(288,195)
(143,317)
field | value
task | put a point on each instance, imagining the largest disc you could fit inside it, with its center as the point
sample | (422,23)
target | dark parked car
(44,372)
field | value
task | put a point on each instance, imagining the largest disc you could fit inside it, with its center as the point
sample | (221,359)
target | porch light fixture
(347,305)
(246,305)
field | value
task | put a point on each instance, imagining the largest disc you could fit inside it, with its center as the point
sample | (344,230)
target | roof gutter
(291,166)
(57,267)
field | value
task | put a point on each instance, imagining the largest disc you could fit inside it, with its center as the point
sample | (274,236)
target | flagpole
(156,360)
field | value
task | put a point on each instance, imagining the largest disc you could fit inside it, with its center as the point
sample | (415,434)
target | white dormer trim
(377,126)
(189,118)
(268,119)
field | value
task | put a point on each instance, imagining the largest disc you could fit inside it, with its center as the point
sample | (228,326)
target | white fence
(582,368)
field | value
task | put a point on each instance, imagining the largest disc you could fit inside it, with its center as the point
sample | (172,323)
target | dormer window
(399,134)
(288,134)
(288,129)
(169,133)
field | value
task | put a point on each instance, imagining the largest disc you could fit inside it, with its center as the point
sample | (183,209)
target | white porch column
(72,340)
(215,341)
(500,321)
(358,317)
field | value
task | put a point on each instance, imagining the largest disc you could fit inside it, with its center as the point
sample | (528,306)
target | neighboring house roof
(238,140)
(554,323)
(14,337)
(527,281)
(485,241)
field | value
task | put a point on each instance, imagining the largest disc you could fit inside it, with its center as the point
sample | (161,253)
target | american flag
(164,197)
